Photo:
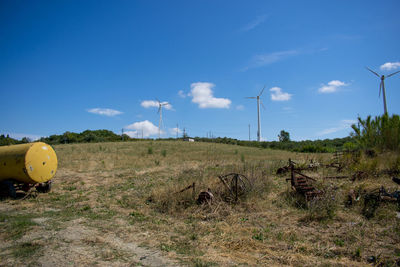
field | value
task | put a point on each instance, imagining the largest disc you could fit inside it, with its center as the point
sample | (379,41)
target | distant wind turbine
(160,105)
(258,112)
(382,86)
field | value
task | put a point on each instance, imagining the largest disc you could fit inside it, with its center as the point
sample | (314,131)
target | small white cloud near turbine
(331,87)
(104,112)
(278,95)
(390,66)
(155,104)
(203,95)
(145,128)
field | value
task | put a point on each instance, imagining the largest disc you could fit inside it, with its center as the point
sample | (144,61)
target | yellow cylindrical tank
(28,163)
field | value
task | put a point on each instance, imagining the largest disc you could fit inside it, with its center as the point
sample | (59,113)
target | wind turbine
(258,112)
(160,105)
(382,86)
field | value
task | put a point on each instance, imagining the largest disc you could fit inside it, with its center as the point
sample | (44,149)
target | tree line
(381,133)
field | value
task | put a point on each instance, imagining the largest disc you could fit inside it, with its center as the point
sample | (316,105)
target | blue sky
(77,65)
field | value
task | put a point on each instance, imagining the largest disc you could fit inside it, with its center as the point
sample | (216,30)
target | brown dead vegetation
(108,199)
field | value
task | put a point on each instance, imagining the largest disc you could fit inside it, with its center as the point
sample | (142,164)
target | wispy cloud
(145,128)
(257,21)
(390,66)
(278,95)
(331,87)
(182,94)
(343,125)
(346,37)
(203,95)
(266,59)
(105,111)
(240,107)
(174,130)
(155,104)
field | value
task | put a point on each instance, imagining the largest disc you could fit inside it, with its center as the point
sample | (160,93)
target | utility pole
(249,132)
(142,133)
(177,131)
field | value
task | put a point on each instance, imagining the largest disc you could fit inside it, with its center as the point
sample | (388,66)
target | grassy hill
(119,204)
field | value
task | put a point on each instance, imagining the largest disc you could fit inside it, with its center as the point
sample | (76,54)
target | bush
(323,207)
(382,132)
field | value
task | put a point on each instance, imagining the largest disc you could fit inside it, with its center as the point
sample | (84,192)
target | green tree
(382,132)
(284,136)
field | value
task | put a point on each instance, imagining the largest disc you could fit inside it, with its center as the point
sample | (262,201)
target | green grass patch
(15,226)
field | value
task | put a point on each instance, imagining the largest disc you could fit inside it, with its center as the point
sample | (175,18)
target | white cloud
(266,59)
(343,125)
(182,94)
(390,66)
(105,111)
(154,104)
(254,23)
(203,95)
(145,127)
(278,95)
(240,107)
(332,87)
(173,130)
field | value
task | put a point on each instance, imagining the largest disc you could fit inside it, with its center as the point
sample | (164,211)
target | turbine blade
(392,74)
(262,91)
(159,108)
(380,89)
(262,105)
(251,97)
(373,72)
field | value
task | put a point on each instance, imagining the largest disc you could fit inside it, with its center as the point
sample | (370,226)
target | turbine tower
(160,105)
(382,86)
(258,112)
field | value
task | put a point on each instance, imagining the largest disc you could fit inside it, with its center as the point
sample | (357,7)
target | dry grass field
(116,204)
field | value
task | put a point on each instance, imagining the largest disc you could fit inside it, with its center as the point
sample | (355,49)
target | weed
(323,207)
(357,253)
(339,242)
(137,216)
(150,150)
(279,236)
(294,199)
(25,250)
(258,235)
(193,236)
(70,188)
(200,263)
(164,153)
(17,225)
(165,247)
(395,165)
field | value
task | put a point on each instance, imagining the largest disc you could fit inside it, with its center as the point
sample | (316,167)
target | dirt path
(75,243)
